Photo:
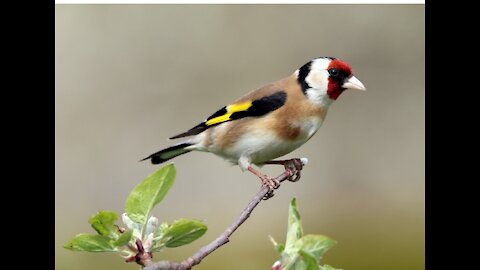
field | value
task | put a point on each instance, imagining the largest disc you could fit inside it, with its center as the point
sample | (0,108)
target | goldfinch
(271,121)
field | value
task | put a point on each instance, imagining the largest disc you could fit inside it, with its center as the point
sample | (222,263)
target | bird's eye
(333,72)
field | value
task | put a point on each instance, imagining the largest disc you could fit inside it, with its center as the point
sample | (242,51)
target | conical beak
(354,83)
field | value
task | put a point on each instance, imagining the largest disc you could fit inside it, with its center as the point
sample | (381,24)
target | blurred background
(129,76)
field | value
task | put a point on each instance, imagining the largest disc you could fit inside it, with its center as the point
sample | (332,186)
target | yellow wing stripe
(230,110)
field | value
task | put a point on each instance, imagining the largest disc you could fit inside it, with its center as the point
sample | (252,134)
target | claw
(298,163)
(269,182)
(293,169)
(268,195)
(294,166)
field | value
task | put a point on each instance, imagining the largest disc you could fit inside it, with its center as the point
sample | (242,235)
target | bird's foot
(267,181)
(292,167)
(271,184)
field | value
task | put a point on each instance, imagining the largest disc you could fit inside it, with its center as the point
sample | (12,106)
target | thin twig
(223,238)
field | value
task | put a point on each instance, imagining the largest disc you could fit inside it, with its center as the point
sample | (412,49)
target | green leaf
(162,228)
(158,237)
(124,238)
(288,260)
(90,242)
(328,267)
(316,245)
(278,247)
(294,231)
(149,193)
(183,231)
(306,262)
(299,261)
(103,222)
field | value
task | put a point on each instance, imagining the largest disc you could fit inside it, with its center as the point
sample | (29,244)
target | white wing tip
(304,161)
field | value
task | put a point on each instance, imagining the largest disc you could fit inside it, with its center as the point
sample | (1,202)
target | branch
(224,237)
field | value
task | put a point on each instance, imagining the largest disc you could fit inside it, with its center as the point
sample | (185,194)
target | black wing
(255,108)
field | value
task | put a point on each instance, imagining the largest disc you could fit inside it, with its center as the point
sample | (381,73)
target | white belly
(262,145)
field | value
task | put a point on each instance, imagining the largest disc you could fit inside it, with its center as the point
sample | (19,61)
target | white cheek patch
(317,79)
(318,76)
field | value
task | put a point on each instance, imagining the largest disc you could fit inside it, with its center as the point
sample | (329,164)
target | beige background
(130,76)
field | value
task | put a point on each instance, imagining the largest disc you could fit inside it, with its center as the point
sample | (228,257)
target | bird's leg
(267,181)
(293,166)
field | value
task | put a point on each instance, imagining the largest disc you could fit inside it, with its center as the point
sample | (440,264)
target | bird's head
(323,79)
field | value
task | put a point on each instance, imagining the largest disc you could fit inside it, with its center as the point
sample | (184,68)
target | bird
(269,122)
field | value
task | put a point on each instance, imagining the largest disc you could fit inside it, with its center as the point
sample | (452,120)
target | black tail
(193,131)
(168,153)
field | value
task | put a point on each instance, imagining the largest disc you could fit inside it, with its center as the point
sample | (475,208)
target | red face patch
(341,71)
(341,66)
